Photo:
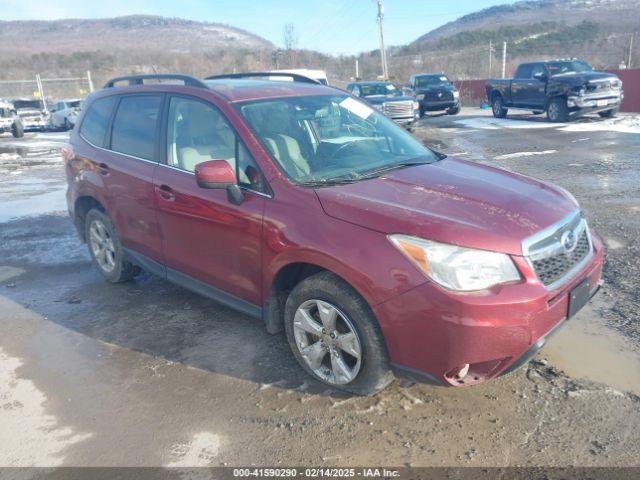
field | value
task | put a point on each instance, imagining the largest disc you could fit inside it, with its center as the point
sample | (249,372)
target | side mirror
(218,174)
(540,76)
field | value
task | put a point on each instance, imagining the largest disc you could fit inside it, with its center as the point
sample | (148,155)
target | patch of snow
(490,123)
(29,436)
(621,124)
(200,452)
(524,154)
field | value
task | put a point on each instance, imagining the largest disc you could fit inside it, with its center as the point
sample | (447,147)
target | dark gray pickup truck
(565,89)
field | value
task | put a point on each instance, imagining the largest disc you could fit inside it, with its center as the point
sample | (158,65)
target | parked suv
(9,120)
(302,206)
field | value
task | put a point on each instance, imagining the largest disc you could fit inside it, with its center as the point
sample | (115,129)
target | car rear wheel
(105,248)
(498,108)
(557,110)
(335,337)
(609,113)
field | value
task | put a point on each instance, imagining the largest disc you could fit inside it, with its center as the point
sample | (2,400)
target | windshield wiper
(327,182)
(377,171)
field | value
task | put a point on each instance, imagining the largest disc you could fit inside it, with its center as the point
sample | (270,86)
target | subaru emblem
(568,241)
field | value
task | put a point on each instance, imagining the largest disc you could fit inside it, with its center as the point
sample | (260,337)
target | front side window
(524,71)
(320,139)
(96,121)
(198,132)
(135,125)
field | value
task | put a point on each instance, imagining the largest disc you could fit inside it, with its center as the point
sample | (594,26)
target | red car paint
(161,213)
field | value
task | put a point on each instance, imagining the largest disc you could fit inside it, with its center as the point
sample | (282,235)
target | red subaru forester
(298,204)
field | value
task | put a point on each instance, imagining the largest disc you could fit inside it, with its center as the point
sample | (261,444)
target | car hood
(379,99)
(451,201)
(583,77)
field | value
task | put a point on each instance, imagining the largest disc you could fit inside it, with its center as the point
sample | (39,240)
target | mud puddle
(586,348)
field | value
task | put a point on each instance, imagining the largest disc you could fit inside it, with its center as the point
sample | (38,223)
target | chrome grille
(398,109)
(552,256)
(603,86)
(551,269)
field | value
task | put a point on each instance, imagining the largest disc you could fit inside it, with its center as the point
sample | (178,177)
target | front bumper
(431,333)
(34,125)
(429,105)
(595,102)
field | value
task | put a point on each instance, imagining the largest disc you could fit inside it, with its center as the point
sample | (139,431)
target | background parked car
(65,113)
(435,92)
(32,114)
(565,89)
(388,99)
(9,120)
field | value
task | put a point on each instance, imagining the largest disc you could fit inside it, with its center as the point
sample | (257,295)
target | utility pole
(357,69)
(41,91)
(504,59)
(490,56)
(89,81)
(383,53)
(630,49)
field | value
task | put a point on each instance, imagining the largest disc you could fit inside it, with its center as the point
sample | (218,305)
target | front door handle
(166,193)
(104,169)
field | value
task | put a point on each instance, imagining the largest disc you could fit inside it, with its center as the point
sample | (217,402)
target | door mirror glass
(542,76)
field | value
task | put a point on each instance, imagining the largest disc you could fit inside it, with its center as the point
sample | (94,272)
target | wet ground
(149,374)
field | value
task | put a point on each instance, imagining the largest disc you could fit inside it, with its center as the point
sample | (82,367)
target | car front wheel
(105,248)
(557,110)
(609,113)
(335,337)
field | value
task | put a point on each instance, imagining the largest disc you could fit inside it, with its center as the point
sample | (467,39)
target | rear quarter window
(96,121)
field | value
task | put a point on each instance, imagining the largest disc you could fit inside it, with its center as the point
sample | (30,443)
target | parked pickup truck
(565,89)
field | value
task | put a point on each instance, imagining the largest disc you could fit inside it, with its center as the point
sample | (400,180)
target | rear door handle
(104,169)
(166,193)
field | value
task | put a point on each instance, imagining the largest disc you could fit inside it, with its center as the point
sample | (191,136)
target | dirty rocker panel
(193,284)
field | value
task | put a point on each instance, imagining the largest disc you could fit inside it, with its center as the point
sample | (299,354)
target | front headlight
(457,268)
(456,94)
(416,105)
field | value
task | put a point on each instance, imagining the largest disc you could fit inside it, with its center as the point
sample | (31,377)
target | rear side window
(524,71)
(135,125)
(96,121)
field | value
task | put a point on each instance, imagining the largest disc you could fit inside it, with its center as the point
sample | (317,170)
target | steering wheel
(341,149)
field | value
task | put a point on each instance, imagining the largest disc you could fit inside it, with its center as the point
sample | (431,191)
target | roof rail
(295,76)
(188,80)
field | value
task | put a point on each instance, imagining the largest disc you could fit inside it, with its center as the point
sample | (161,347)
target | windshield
(74,104)
(318,139)
(28,104)
(367,90)
(573,66)
(432,81)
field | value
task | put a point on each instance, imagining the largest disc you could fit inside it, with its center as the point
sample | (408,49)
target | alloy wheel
(327,341)
(102,246)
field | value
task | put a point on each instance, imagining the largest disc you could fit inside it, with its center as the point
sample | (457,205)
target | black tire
(374,373)
(498,108)
(557,111)
(421,112)
(17,130)
(66,126)
(609,113)
(122,270)
(454,110)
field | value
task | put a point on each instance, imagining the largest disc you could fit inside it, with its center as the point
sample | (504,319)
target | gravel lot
(148,374)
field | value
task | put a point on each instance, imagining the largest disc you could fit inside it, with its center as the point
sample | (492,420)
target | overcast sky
(332,26)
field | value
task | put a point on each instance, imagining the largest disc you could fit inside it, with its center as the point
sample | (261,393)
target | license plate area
(578,297)
(602,103)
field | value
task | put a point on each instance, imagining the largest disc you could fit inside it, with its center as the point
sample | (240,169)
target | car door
(210,244)
(127,166)
(537,87)
(520,85)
